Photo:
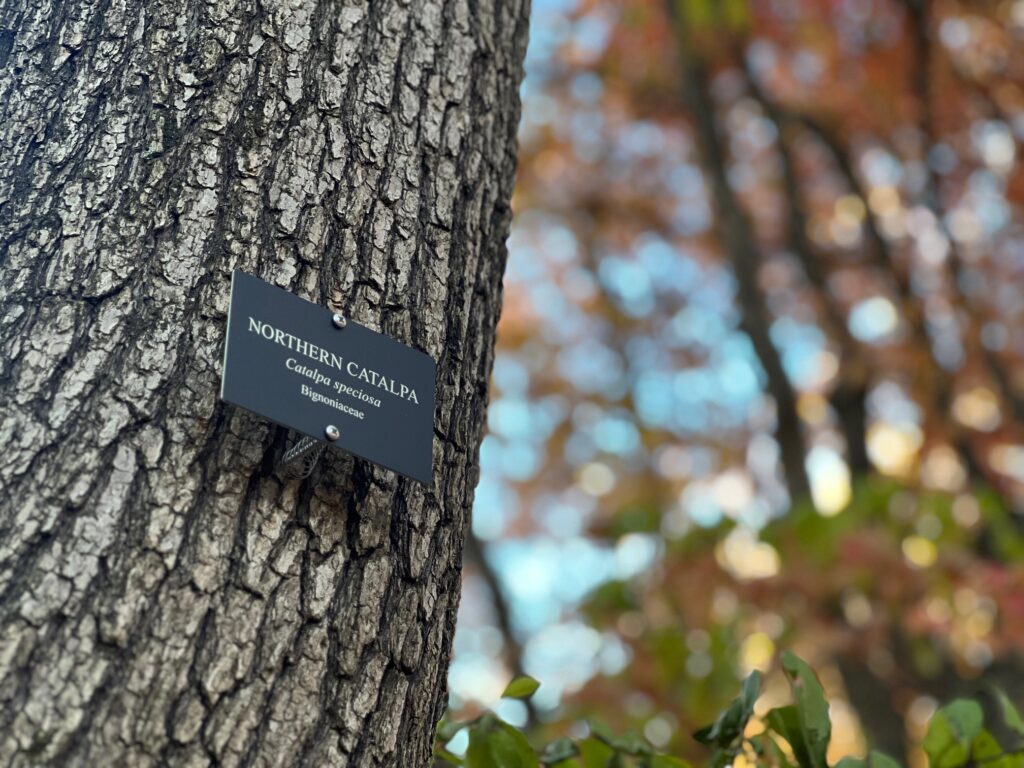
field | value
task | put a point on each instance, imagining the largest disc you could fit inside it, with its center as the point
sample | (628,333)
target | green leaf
(726,729)
(1010,713)
(522,687)
(965,716)
(805,724)
(732,721)
(750,691)
(559,750)
(942,746)
(881,760)
(630,742)
(704,735)
(601,732)
(495,744)
(873,760)
(951,733)
(785,721)
(767,745)
(667,761)
(446,730)
(594,753)
(985,747)
(989,753)
(441,753)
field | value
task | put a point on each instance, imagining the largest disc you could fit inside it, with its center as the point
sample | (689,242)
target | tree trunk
(739,242)
(166,596)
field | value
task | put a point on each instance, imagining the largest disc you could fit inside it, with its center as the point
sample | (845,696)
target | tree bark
(166,595)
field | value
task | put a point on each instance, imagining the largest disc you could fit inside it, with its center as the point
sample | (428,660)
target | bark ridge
(165,596)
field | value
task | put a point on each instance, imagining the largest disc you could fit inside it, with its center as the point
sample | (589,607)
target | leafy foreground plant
(793,736)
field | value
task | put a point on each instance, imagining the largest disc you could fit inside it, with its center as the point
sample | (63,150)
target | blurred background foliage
(759,381)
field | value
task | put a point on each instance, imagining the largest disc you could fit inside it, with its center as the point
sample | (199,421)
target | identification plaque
(298,364)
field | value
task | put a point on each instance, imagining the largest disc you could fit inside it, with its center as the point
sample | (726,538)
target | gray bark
(166,596)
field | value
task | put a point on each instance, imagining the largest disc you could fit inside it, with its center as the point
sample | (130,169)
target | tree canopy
(759,383)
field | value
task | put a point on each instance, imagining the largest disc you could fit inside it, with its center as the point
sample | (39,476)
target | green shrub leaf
(951,733)
(446,730)
(559,750)
(440,753)
(874,759)
(985,747)
(594,753)
(881,760)
(665,761)
(630,742)
(765,745)
(1010,713)
(786,722)
(750,691)
(522,687)
(495,744)
(805,724)
(732,721)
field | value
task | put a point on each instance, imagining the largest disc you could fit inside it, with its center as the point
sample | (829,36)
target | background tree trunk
(165,596)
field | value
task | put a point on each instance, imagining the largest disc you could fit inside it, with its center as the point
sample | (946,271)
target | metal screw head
(332,432)
(339,320)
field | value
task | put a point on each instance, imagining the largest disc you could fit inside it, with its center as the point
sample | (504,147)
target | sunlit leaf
(522,687)
(767,745)
(951,732)
(874,759)
(985,747)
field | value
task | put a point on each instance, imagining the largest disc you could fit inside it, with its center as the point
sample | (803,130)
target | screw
(339,320)
(332,432)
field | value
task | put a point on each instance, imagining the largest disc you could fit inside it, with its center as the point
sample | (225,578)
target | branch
(936,379)
(513,649)
(736,236)
(918,14)
(849,397)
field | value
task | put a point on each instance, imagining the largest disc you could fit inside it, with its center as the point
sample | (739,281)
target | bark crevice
(165,596)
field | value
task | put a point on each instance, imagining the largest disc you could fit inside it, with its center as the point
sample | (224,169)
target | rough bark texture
(165,596)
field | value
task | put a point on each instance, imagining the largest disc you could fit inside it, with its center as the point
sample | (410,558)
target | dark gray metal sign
(295,363)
